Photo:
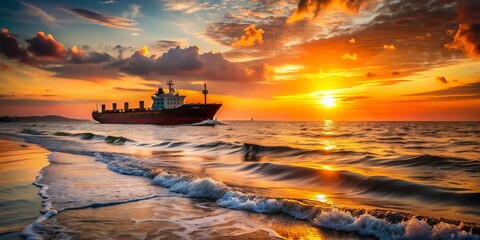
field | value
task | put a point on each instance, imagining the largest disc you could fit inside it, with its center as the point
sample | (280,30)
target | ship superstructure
(167,108)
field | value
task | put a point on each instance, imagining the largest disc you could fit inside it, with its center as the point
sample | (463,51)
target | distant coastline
(47,118)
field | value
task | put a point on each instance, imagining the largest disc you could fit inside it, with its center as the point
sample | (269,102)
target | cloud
(143,51)
(467,39)
(105,20)
(41,15)
(388,47)
(370,75)
(352,40)
(186,6)
(163,45)
(441,79)
(349,56)
(251,37)
(135,34)
(45,46)
(10,48)
(394,73)
(470,89)
(132,89)
(312,8)
(188,63)
(108,2)
(178,60)
(4,67)
(423,36)
(80,57)
(134,11)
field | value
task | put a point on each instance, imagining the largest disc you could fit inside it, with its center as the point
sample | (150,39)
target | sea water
(337,180)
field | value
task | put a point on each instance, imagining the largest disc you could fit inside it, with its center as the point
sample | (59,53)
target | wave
(208,122)
(90,136)
(117,140)
(447,163)
(360,184)
(253,152)
(360,222)
(32,131)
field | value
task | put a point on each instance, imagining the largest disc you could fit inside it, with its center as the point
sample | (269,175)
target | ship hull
(185,114)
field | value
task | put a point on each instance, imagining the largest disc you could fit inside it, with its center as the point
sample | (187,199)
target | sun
(328,101)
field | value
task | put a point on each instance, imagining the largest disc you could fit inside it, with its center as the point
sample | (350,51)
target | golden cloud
(251,37)
(144,51)
(389,47)
(467,39)
(349,56)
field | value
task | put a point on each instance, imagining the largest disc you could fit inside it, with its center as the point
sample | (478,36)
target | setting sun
(328,101)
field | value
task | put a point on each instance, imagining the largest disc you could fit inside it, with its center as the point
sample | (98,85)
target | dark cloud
(45,46)
(467,39)
(218,68)
(187,62)
(179,60)
(441,79)
(88,72)
(307,8)
(467,89)
(4,67)
(91,57)
(163,45)
(468,11)
(40,102)
(106,20)
(120,50)
(132,89)
(370,75)
(11,49)
(394,73)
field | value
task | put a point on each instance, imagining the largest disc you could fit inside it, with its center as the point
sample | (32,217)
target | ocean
(255,180)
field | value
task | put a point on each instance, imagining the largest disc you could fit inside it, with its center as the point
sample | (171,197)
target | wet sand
(20,204)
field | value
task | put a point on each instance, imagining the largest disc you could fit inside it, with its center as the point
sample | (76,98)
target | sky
(291,60)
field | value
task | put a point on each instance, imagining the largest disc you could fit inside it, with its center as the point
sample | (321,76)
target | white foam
(327,218)
(29,232)
(208,122)
(195,187)
(417,229)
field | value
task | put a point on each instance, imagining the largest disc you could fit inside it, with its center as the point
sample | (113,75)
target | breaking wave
(374,223)
(208,122)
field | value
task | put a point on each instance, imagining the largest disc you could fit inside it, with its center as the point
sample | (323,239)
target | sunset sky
(270,59)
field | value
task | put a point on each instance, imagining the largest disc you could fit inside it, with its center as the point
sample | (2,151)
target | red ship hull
(185,114)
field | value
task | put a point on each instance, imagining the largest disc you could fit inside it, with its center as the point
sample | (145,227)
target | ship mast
(170,88)
(205,92)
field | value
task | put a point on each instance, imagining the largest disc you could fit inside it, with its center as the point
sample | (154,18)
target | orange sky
(293,60)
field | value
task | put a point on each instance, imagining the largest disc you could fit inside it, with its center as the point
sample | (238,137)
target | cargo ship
(168,108)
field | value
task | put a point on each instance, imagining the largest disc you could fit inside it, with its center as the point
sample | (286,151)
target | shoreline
(20,204)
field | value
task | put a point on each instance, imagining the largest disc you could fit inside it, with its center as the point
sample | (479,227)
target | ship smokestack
(142,105)
(103,108)
(205,92)
(125,106)
(114,106)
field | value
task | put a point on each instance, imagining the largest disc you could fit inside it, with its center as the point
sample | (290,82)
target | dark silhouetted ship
(168,108)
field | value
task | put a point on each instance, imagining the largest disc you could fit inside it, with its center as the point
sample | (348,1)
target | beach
(20,205)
